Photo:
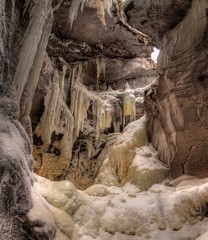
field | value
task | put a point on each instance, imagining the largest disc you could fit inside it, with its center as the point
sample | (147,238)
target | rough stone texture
(11,35)
(177,106)
(16,180)
(18,74)
(155,17)
(113,41)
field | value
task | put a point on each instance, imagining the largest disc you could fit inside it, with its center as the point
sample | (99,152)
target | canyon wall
(177,104)
(69,86)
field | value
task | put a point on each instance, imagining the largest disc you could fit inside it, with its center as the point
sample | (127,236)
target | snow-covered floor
(146,205)
(125,213)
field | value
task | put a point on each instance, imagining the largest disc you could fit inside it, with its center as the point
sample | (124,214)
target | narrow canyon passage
(101,137)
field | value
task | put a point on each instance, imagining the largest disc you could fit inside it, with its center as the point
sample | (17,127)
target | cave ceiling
(125,43)
(125,51)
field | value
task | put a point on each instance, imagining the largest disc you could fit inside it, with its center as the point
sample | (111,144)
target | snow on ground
(103,213)
(145,206)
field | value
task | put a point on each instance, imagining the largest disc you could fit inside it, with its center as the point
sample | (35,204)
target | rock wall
(24,32)
(177,105)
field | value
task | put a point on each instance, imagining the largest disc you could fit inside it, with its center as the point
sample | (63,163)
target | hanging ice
(100,5)
(74,8)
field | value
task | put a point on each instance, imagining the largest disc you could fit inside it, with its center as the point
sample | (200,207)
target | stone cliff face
(177,106)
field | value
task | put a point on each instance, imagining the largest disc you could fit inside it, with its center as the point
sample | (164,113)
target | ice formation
(19,217)
(36,36)
(80,102)
(72,128)
(130,202)
(101,212)
(100,5)
(74,8)
(60,126)
(130,159)
(100,66)
(129,199)
(129,105)
(56,121)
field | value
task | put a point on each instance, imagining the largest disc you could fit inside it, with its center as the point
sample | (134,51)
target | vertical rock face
(177,106)
(24,31)
(11,34)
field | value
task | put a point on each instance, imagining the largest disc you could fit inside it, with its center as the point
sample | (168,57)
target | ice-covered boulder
(132,159)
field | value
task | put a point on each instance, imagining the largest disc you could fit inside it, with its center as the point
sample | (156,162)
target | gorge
(97,140)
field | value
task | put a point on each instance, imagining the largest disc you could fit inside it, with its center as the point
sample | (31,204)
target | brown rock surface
(177,106)
(155,17)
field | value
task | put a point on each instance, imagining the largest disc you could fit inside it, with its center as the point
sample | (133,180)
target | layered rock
(155,18)
(23,27)
(177,105)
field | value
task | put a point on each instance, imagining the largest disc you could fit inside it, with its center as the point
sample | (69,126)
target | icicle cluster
(100,65)
(129,105)
(74,8)
(100,5)
(56,119)
(102,114)
(81,98)
(80,102)
(30,62)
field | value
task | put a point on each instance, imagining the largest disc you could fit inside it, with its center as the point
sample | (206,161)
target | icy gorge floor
(131,200)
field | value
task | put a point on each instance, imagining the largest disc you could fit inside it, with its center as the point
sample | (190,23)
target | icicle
(80,102)
(129,104)
(101,6)
(133,107)
(108,119)
(80,70)
(97,111)
(116,127)
(39,16)
(107,5)
(102,120)
(90,149)
(74,8)
(77,71)
(56,119)
(100,66)
(101,12)
(62,77)
(126,105)
(127,87)
(47,123)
